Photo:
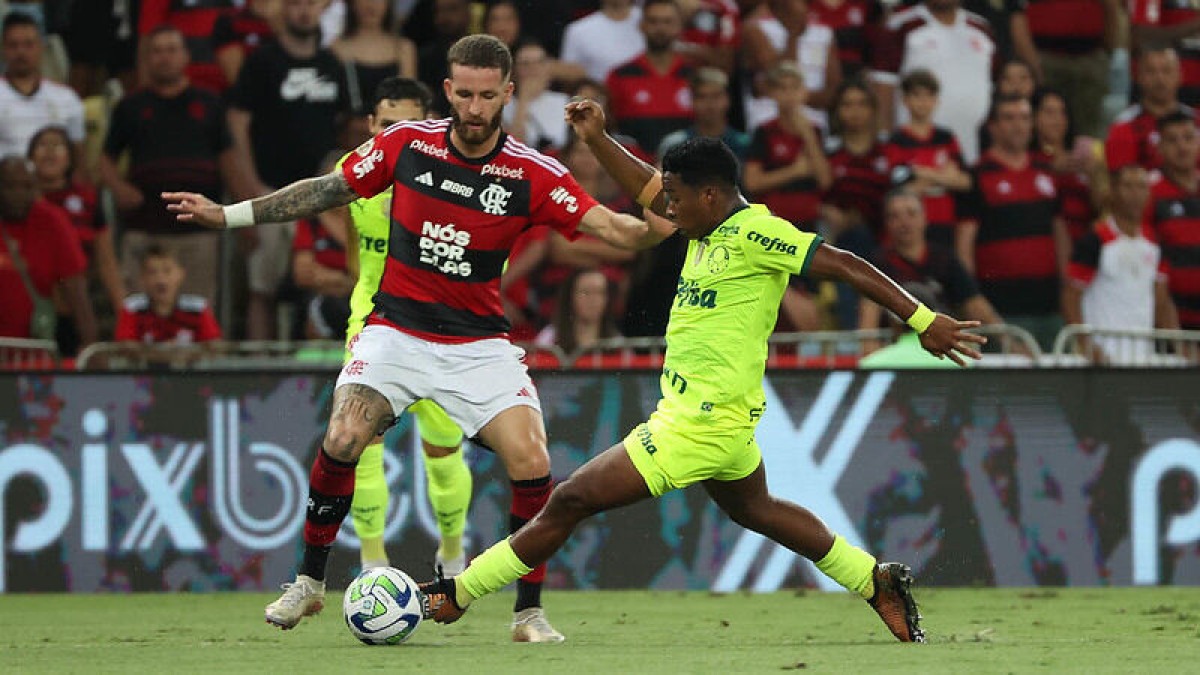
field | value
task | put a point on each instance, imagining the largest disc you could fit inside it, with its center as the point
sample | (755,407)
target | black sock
(313,562)
(529,594)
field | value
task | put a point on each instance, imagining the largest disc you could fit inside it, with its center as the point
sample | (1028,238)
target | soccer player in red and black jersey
(1174,214)
(463,192)
(161,314)
(926,158)
(1011,236)
(1133,136)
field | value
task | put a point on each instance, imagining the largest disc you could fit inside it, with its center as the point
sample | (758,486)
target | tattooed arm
(301,199)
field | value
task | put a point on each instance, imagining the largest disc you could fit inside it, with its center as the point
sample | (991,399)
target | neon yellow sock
(490,571)
(370,504)
(850,566)
(450,486)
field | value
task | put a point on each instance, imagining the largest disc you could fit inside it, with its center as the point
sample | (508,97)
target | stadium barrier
(22,354)
(196,480)
(1079,345)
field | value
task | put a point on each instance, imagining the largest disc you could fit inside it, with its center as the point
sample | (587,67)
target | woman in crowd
(1079,173)
(583,314)
(372,51)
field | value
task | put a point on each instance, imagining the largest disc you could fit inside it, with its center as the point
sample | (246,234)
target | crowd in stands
(1029,162)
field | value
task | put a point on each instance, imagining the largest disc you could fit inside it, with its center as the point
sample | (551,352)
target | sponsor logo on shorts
(771,243)
(429,149)
(355,367)
(527,392)
(502,171)
(353,341)
(647,441)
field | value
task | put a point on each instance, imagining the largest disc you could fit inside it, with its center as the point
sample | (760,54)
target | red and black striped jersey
(1075,200)
(648,104)
(244,30)
(1015,259)
(774,148)
(855,23)
(454,221)
(1174,214)
(716,23)
(1065,26)
(1165,14)
(1133,139)
(859,181)
(195,19)
(907,150)
(82,205)
(189,322)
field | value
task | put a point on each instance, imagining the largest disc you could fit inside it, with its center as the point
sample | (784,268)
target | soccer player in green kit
(738,263)
(398,99)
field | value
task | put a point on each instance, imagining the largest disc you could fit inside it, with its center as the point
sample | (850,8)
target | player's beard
(475,136)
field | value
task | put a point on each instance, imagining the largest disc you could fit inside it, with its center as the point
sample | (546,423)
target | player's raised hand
(586,117)
(948,337)
(190,207)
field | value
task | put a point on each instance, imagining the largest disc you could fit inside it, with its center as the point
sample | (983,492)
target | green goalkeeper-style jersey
(726,304)
(372,219)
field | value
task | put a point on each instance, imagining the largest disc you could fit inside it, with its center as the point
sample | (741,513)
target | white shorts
(473,382)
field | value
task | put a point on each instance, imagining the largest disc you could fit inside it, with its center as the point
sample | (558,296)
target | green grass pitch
(1136,630)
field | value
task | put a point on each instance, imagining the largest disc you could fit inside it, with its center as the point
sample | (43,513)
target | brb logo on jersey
(771,243)
(494,199)
(443,247)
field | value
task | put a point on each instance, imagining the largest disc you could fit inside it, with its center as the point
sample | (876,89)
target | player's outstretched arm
(625,231)
(941,335)
(302,199)
(638,179)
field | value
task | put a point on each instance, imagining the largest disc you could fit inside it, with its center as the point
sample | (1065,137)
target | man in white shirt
(602,40)
(28,103)
(953,44)
(787,34)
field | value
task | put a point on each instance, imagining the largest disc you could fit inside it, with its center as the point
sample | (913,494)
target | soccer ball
(382,606)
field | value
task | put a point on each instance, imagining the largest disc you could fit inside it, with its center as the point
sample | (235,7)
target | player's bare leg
(359,414)
(885,586)
(607,481)
(518,435)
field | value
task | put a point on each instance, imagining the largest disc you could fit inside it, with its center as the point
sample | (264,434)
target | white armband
(238,215)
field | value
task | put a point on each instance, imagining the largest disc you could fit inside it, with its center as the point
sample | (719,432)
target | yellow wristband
(921,319)
(650,190)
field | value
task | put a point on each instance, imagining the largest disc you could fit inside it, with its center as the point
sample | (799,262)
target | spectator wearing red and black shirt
(926,159)
(1175,23)
(237,35)
(1010,235)
(712,30)
(163,315)
(1133,136)
(649,95)
(195,20)
(786,167)
(42,236)
(1174,214)
(319,267)
(1069,36)
(1079,173)
(855,23)
(859,163)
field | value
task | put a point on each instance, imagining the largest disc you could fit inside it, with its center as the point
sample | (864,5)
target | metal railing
(250,354)
(23,354)
(1084,345)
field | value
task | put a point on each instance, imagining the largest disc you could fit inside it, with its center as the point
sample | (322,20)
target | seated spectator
(854,23)
(1079,173)
(1117,279)
(786,35)
(235,36)
(101,41)
(535,115)
(319,267)
(50,152)
(648,95)
(1010,235)
(161,313)
(583,315)
(28,101)
(176,138)
(1133,136)
(926,159)
(604,39)
(371,51)
(923,267)
(786,167)
(711,32)
(710,107)
(858,161)
(195,21)
(1175,213)
(39,256)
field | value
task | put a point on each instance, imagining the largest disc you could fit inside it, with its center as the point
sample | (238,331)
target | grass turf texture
(970,630)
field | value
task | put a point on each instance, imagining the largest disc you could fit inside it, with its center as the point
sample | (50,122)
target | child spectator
(786,167)
(161,314)
(926,157)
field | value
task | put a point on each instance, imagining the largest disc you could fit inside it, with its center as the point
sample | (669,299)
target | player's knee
(529,461)
(344,441)
(749,514)
(571,500)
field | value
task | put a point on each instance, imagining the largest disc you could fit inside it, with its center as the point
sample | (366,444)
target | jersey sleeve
(559,202)
(126,330)
(208,328)
(1085,259)
(369,169)
(775,245)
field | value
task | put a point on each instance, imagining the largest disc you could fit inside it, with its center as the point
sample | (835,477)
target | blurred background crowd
(1029,162)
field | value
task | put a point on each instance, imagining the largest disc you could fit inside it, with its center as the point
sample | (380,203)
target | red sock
(528,498)
(330,491)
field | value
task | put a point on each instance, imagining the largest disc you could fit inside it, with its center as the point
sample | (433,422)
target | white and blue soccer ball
(382,606)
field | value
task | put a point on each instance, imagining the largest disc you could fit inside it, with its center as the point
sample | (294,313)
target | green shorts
(670,455)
